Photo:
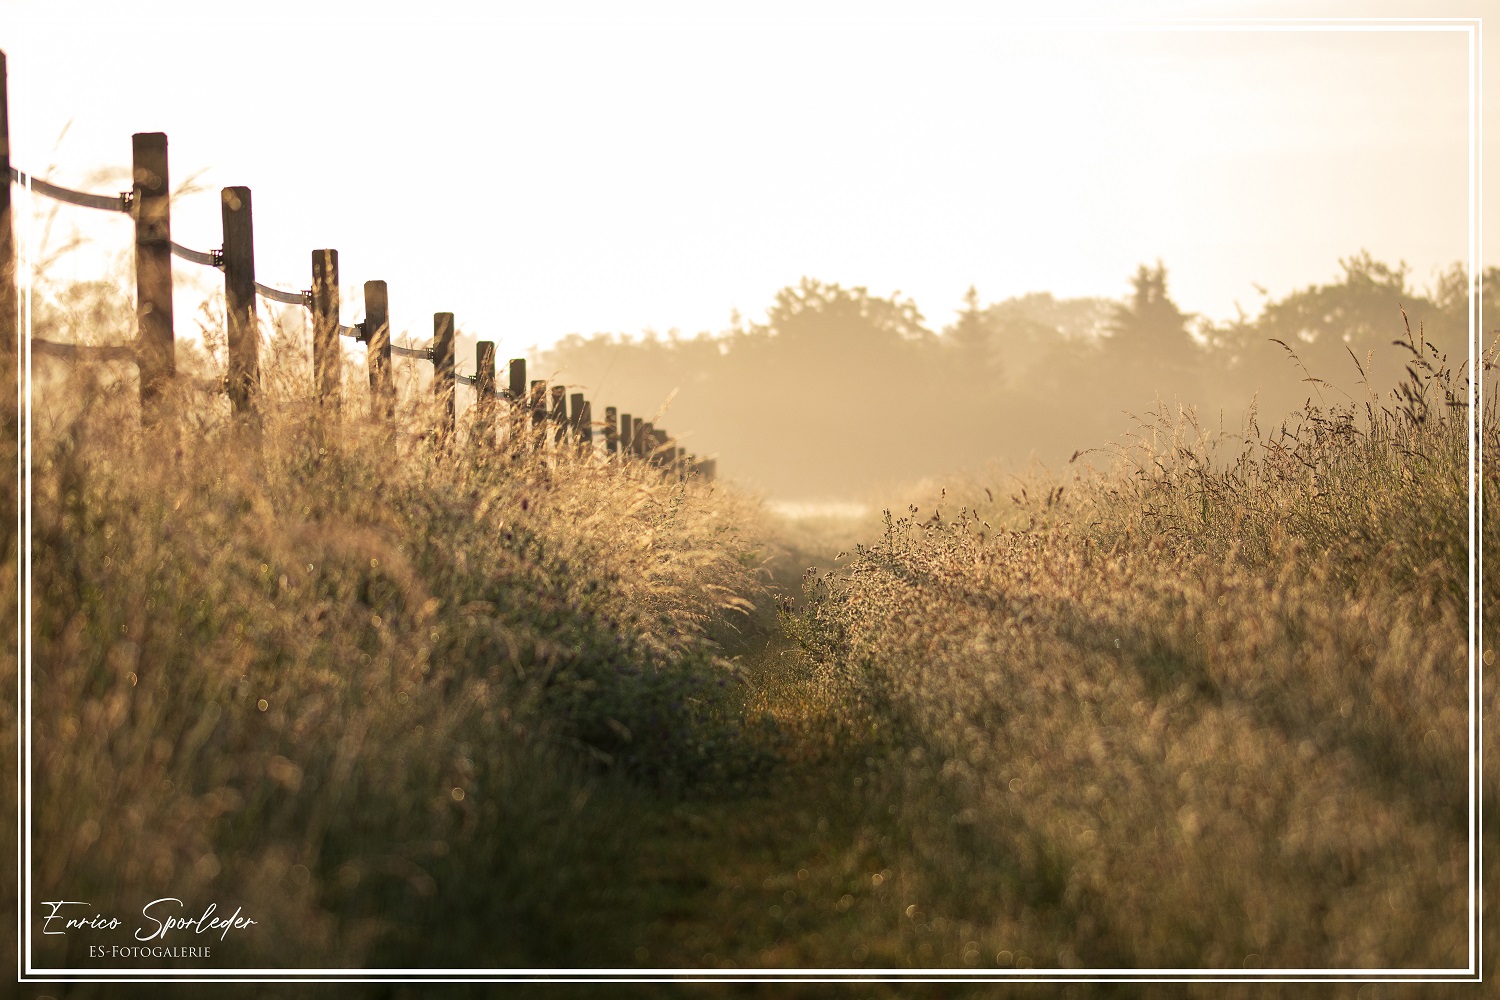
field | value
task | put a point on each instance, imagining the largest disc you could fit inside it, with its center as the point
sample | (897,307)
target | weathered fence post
(156,356)
(575,417)
(586,425)
(639,431)
(538,413)
(484,376)
(517,391)
(611,431)
(444,375)
(378,349)
(515,415)
(626,435)
(560,413)
(327,355)
(243,329)
(10,302)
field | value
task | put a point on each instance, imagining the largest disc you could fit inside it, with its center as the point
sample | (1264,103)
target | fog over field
(842,393)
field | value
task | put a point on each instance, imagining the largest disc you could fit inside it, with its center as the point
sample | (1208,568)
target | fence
(148,203)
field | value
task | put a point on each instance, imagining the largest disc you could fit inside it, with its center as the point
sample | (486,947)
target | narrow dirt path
(796,873)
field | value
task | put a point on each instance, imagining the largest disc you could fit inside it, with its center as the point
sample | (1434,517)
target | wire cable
(277,295)
(105,203)
(80,352)
(121,203)
(197,256)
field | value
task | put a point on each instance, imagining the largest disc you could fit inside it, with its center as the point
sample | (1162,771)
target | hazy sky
(658,166)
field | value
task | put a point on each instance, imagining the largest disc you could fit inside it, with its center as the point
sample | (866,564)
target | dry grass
(1205,710)
(384,691)
(1192,713)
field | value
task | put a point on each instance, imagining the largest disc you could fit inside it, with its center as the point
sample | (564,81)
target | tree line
(840,390)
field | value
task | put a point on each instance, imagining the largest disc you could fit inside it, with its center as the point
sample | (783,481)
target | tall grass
(458,702)
(386,691)
(1207,710)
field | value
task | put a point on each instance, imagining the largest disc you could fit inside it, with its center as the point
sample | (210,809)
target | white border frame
(1473,29)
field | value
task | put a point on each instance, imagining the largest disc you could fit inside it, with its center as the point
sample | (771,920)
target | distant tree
(1342,332)
(823,316)
(970,332)
(971,338)
(1362,310)
(1450,297)
(1038,342)
(1149,326)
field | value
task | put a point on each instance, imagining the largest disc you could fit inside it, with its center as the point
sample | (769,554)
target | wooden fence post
(575,416)
(515,414)
(638,432)
(559,412)
(444,375)
(517,391)
(10,302)
(626,435)
(327,355)
(484,375)
(243,329)
(156,355)
(378,349)
(539,410)
(611,431)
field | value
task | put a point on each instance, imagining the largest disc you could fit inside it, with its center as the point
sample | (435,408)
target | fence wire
(103,202)
(118,352)
(277,295)
(196,256)
(79,352)
(121,203)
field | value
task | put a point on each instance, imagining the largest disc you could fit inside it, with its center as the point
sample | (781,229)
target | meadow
(416,701)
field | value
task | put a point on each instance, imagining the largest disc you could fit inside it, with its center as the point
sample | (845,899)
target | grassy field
(424,703)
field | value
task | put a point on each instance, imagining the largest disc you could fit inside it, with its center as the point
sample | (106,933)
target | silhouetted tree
(970,333)
(1450,297)
(972,341)
(1150,326)
(820,317)
(1361,311)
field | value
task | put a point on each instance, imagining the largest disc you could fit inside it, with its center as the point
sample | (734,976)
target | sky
(655,166)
